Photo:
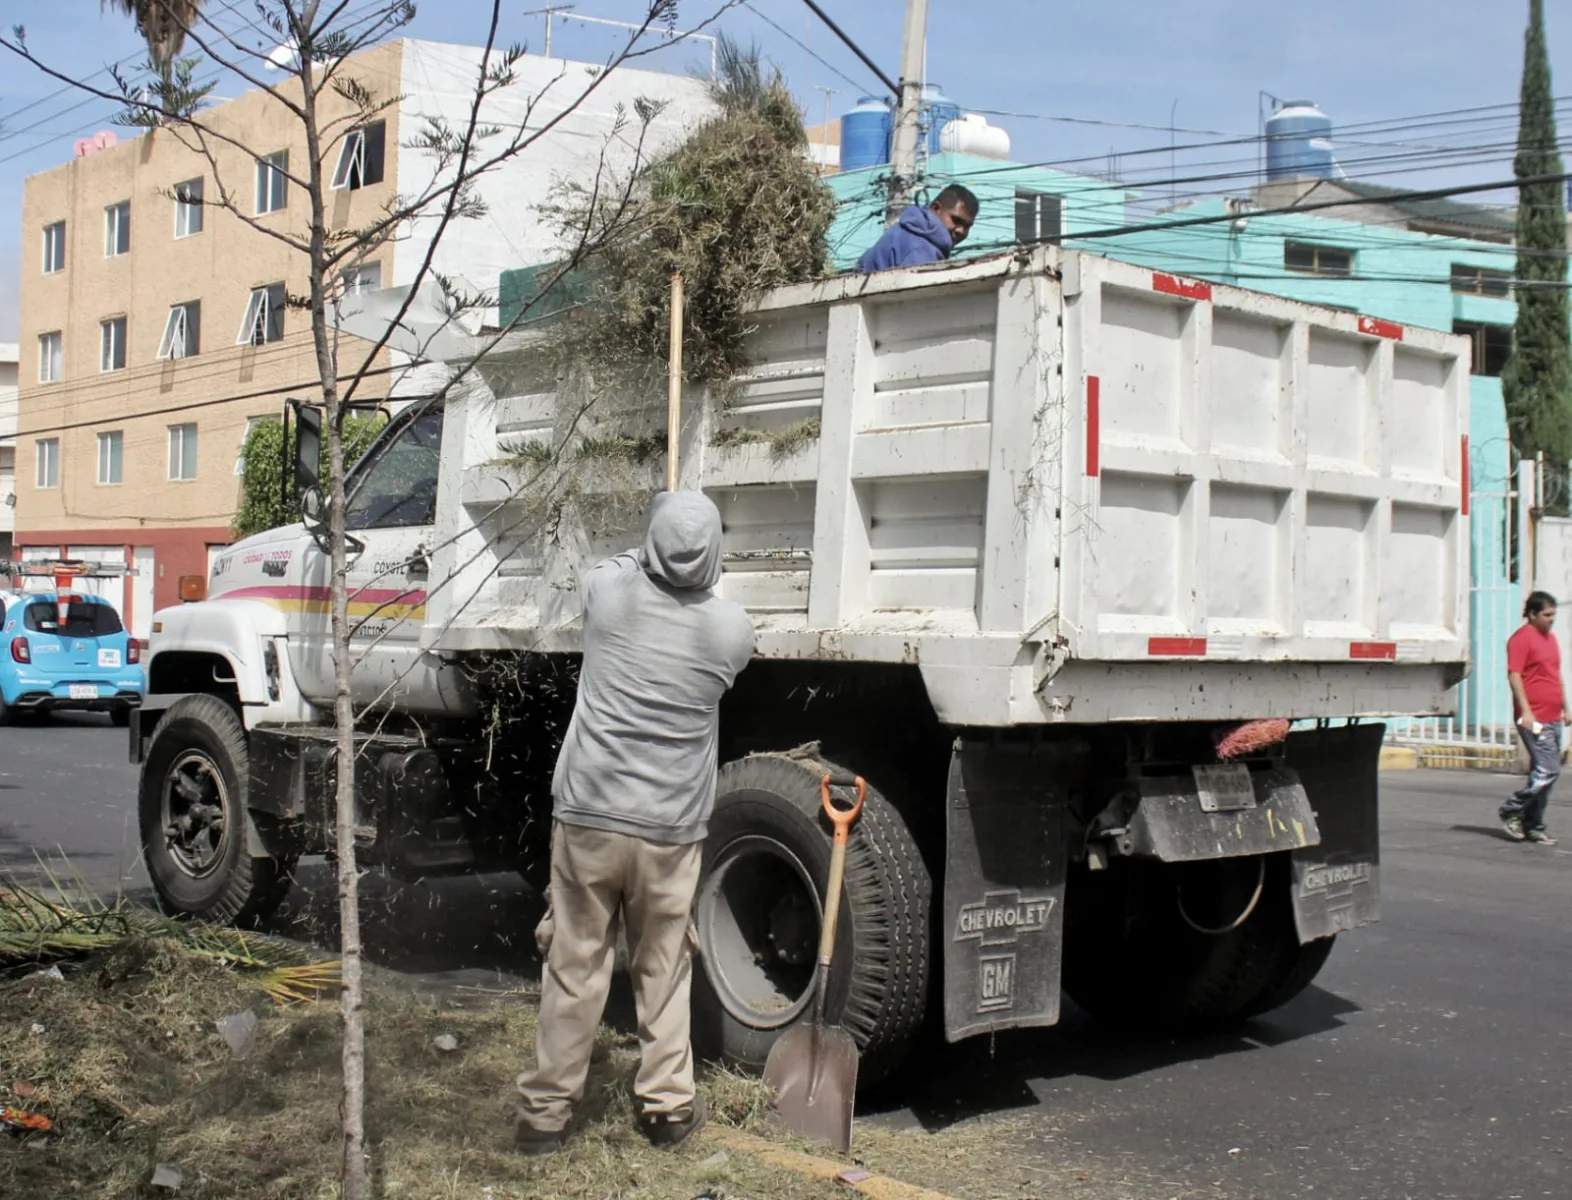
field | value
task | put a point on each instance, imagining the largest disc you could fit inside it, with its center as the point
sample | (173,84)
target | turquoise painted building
(1381,267)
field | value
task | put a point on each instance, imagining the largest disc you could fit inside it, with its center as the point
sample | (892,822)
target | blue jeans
(1544,751)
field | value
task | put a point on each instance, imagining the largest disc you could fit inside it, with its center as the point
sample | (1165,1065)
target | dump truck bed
(1063,487)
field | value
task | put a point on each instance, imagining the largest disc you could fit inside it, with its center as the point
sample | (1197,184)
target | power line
(803,46)
(852,46)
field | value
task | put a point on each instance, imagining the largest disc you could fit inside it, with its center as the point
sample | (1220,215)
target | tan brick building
(152,331)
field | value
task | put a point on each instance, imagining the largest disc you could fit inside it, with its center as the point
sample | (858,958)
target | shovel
(813,1068)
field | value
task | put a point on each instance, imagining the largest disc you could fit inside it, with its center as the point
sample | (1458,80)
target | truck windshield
(398,489)
(82,620)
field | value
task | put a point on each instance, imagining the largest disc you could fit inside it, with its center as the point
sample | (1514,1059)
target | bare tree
(327,103)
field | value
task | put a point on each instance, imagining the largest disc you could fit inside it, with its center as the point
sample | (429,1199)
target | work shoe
(1513,824)
(1542,836)
(532,1141)
(670,1130)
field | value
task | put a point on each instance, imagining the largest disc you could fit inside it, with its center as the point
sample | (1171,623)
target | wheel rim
(194,814)
(758,915)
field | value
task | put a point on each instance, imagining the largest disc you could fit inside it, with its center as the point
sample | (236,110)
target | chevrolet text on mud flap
(1035,692)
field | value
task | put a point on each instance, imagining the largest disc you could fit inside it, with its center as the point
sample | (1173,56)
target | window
(46,468)
(366,278)
(112,344)
(188,208)
(1038,217)
(117,229)
(397,489)
(111,452)
(1480,281)
(360,157)
(251,423)
(182,451)
(182,331)
(272,182)
(51,362)
(264,319)
(54,247)
(1317,260)
(1492,345)
(84,618)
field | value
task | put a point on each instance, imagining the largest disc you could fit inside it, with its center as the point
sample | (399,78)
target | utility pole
(903,140)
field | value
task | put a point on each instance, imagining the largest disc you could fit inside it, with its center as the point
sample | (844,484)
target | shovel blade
(813,1072)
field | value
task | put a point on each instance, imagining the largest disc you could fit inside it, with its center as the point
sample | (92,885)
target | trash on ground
(15,1118)
(854,1176)
(718,1159)
(239,1031)
(36,1029)
(167,1176)
(23,1089)
(51,973)
(445,1041)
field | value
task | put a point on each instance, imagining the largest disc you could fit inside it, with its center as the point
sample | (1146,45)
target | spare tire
(758,913)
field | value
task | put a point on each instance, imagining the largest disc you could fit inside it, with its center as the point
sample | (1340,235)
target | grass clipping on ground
(122,1052)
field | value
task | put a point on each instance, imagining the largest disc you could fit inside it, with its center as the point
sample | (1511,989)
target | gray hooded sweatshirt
(660,650)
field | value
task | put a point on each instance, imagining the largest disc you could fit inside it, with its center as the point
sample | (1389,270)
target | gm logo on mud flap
(997,920)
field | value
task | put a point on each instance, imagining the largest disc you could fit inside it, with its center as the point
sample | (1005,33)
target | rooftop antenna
(548,12)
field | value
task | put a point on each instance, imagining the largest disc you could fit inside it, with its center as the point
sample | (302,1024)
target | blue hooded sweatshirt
(917,237)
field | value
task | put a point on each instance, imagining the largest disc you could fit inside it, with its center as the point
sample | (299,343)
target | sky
(1085,81)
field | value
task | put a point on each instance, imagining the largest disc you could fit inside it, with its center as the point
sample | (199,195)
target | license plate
(84,691)
(1224,788)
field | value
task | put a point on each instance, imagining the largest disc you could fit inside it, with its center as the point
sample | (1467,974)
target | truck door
(392,510)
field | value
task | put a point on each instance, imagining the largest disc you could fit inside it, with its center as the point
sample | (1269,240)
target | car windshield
(84,619)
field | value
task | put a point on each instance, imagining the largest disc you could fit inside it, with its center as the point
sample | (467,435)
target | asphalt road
(1431,1059)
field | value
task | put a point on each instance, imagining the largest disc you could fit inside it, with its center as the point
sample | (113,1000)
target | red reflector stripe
(1381,651)
(1094,431)
(1465,477)
(1176,647)
(1380,328)
(1190,289)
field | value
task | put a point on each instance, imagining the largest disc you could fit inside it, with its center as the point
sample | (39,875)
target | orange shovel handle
(842,818)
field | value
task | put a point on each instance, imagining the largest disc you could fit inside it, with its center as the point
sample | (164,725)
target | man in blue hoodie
(634,788)
(924,235)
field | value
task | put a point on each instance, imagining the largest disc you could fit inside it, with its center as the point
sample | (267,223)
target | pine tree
(1537,382)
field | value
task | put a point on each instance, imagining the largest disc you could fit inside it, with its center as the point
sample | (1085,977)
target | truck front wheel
(192,809)
(758,912)
(1187,945)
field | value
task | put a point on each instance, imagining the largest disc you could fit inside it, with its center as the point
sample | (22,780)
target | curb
(1451,758)
(812,1167)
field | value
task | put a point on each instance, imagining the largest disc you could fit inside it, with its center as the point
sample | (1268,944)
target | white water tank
(970,133)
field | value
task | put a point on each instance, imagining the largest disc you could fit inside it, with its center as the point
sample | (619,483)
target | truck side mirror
(308,451)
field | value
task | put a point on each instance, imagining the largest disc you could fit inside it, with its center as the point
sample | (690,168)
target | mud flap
(1170,824)
(1004,885)
(1337,884)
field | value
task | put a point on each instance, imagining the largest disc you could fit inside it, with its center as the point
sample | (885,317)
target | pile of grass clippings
(123,1054)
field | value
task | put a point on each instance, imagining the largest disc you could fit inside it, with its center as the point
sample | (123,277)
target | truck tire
(757,919)
(1132,958)
(192,808)
(1296,970)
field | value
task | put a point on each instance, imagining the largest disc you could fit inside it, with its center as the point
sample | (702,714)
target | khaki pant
(594,874)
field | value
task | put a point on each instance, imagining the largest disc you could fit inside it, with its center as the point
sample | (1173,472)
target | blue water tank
(1299,142)
(865,134)
(938,110)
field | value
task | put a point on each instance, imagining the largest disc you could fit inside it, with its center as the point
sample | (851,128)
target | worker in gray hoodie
(634,788)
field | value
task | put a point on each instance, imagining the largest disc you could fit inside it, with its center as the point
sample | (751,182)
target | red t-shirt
(1537,658)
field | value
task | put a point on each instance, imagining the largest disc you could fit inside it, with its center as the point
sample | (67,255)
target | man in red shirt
(1539,700)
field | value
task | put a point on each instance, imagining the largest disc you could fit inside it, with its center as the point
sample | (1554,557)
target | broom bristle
(1250,737)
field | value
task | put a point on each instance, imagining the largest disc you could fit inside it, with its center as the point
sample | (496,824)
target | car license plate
(84,691)
(1224,788)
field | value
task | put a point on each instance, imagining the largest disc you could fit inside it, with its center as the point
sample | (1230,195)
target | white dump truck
(1022,538)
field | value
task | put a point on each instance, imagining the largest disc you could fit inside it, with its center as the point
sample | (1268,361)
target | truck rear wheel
(1184,946)
(192,809)
(758,916)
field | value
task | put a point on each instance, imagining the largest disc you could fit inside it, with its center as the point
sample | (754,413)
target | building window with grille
(111,452)
(182,452)
(117,229)
(1492,345)
(54,247)
(51,359)
(188,208)
(1481,281)
(1309,259)
(46,463)
(360,157)
(272,182)
(1039,217)
(264,319)
(112,344)
(182,331)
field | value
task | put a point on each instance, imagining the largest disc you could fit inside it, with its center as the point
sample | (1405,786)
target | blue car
(90,665)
